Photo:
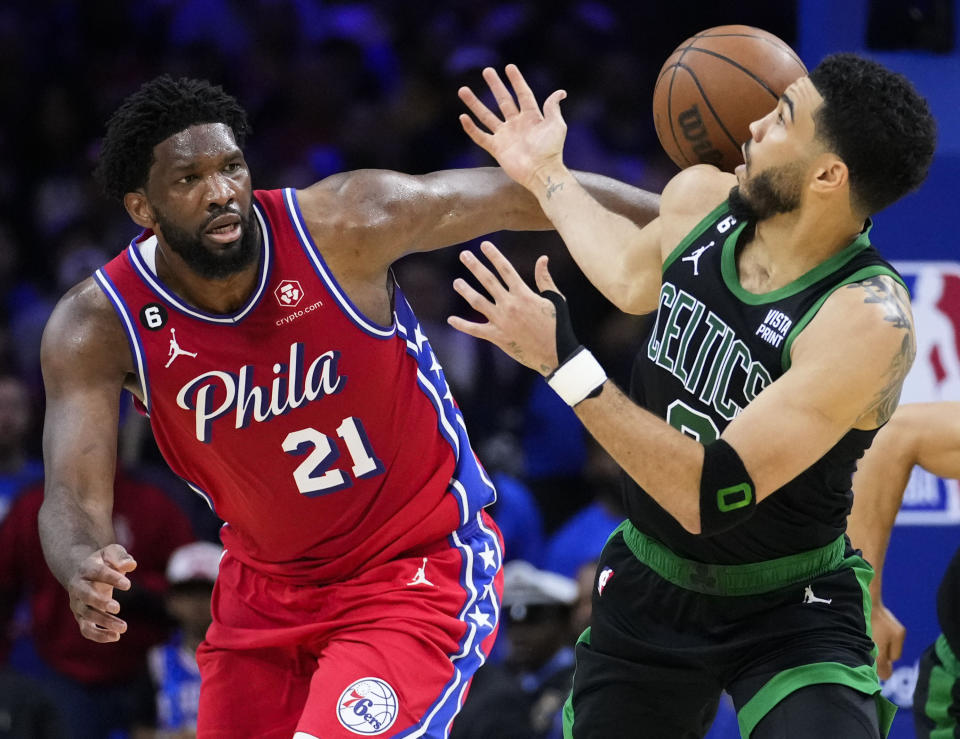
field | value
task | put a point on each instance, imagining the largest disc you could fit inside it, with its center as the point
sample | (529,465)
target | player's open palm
(522,138)
(91,592)
(519,321)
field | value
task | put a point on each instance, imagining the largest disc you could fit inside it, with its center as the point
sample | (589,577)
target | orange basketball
(713,86)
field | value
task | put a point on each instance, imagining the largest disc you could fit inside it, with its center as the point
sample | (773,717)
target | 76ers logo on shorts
(368,706)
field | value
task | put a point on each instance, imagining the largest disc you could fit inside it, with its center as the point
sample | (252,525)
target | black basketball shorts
(668,635)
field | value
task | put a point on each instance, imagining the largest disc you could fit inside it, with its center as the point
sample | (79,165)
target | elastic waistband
(745,579)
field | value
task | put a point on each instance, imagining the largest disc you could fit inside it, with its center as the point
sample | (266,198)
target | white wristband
(577,377)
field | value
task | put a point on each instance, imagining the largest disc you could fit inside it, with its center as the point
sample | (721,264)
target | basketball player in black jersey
(779,348)
(928,435)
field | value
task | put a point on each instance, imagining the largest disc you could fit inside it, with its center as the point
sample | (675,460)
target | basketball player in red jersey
(287,381)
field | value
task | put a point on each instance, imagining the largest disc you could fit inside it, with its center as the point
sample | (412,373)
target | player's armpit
(847,367)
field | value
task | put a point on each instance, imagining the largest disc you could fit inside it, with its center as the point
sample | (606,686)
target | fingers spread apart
(504,98)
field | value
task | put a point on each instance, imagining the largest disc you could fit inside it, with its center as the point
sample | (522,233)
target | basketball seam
(713,112)
(739,66)
(678,64)
(783,47)
(673,132)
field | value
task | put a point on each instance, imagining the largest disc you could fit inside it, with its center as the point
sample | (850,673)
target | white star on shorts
(488,556)
(481,618)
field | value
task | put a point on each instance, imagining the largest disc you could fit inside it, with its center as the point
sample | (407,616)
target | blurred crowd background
(329,86)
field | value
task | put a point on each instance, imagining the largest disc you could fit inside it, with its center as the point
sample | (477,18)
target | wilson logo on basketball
(289,293)
(713,86)
(691,124)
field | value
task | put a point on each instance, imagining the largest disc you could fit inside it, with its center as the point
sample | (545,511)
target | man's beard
(211,265)
(771,192)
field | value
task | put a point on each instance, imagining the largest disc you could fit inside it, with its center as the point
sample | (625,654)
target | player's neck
(218,296)
(788,245)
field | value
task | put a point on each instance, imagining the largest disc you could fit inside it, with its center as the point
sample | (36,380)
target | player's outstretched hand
(91,592)
(521,138)
(888,635)
(519,321)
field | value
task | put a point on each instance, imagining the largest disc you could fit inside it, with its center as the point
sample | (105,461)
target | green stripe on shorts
(568,704)
(940,692)
(862,678)
(745,579)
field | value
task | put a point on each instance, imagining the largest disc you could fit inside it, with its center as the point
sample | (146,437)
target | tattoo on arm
(882,290)
(886,400)
(552,187)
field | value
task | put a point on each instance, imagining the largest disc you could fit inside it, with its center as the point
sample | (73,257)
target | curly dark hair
(878,124)
(160,108)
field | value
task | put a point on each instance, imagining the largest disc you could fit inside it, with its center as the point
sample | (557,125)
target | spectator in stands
(581,537)
(523,698)
(18,466)
(26,711)
(170,691)
(91,683)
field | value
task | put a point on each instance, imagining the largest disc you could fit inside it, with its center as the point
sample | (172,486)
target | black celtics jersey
(711,350)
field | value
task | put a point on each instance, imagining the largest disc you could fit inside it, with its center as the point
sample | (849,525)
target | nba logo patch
(935,375)
(603,579)
(368,706)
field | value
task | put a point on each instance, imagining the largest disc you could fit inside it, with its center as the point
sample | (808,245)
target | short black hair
(878,124)
(160,108)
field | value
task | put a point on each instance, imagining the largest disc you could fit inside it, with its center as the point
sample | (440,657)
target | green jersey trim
(950,662)
(733,580)
(707,221)
(567,714)
(728,267)
(940,707)
(862,274)
(862,678)
(864,573)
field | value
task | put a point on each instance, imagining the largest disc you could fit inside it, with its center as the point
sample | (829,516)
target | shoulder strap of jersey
(708,220)
(864,273)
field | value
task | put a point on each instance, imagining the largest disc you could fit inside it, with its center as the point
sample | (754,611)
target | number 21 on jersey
(314,475)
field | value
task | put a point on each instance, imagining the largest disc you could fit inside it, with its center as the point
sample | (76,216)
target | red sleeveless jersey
(326,442)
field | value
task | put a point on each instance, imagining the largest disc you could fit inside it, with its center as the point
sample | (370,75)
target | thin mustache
(223,212)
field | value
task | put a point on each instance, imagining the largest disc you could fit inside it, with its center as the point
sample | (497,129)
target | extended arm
(847,369)
(927,434)
(621,259)
(381,215)
(85,359)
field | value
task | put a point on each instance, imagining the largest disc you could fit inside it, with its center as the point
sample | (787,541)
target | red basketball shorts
(389,652)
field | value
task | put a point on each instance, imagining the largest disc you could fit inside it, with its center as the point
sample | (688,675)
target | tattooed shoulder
(891,296)
(895,302)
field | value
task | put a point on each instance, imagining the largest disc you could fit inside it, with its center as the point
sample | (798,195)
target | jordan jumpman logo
(809,597)
(175,350)
(695,258)
(421,578)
